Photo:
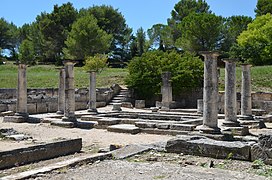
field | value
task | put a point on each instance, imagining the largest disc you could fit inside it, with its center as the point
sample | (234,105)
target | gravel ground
(125,170)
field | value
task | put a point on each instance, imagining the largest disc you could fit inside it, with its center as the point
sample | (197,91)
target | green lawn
(261,77)
(46,76)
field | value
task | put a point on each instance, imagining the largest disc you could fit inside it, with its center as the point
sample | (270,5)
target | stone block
(14,119)
(85,124)
(183,127)
(108,121)
(101,104)
(124,128)
(145,124)
(139,104)
(81,105)
(127,105)
(52,106)
(90,118)
(116,107)
(202,146)
(3,107)
(39,152)
(64,124)
(263,149)
(236,131)
(163,125)
(12,107)
(42,107)
(7,113)
(31,108)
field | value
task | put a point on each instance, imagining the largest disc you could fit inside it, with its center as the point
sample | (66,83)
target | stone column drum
(246,104)
(21,105)
(210,94)
(230,94)
(69,113)
(166,90)
(61,91)
(92,93)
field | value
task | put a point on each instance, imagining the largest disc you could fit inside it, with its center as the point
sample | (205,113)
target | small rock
(152,159)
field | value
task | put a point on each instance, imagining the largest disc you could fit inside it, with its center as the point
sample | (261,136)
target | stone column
(69,113)
(21,105)
(166,90)
(92,93)
(61,91)
(246,106)
(210,94)
(200,106)
(230,94)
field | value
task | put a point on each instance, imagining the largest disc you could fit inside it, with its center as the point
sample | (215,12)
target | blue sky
(138,13)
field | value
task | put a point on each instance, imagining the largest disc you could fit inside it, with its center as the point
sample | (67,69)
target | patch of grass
(47,76)
(159,177)
(260,78)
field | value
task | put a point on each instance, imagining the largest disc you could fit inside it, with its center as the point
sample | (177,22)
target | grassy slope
(47,76)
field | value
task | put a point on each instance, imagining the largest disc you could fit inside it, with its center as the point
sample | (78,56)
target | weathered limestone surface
(263,149)
(39,152)
(92,93)
(124,128)
(61,91)
(139,104)
(202,146)
(246,101)
(210,94)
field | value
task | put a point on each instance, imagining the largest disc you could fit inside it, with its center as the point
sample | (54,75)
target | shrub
(145,72)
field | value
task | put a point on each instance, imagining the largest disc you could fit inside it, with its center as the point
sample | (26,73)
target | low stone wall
(40,152)
(46,100)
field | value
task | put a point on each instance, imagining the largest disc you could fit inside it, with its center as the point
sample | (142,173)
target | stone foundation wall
(46,100)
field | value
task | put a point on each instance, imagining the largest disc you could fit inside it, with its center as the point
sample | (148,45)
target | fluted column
(246,104)
(92,93)
(21,104)
(61,91)
(210,94)
(166,90)
(69,113)
(230,94)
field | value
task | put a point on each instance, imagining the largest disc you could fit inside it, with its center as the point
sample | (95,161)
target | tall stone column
(246,104)
(21,105)
(61,91)
(166,90)
(230,94)
(69,113)
(92,93)
(210,94)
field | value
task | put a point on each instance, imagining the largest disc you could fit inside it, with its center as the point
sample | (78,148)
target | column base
(208,130)
(246,117)
(228,123)
(25,115)
(236,131)
(59,112)
(92,111)
(69,119)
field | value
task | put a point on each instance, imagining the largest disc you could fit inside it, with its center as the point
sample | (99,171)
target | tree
(200,32)
(27,52)
(233,27)
(113,22)
(145,72)
(182,9)
(86,39)
(54,28)
(141,40)
(263,7)
(96,63)
(160,36)
(255,43)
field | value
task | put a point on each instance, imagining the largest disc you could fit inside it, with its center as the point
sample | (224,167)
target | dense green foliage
(86,39)
(96,63)
(255,43)
(263,7)
(27,52)
(145,72)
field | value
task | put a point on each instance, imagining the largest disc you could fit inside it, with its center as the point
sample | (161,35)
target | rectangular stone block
(108,121)
(145,125)
(31,108)
(3,107)
(40,152)
(139,104)
(202,146)
(163,125)
(42,107)
(183,127)
(124,128)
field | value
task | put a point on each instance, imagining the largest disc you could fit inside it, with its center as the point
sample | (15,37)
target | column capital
(213,54)
(246,65)
(69,62)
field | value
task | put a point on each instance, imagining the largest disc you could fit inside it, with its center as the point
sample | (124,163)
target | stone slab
(202,146)
(145,124)
(108,121)
(236,131)
(124,128)
(130,150)
(163,125)
(163,131)
(64,124)
(40,152)
(183,127)
(89,118)
(85,124)
(7,113)
(14,119)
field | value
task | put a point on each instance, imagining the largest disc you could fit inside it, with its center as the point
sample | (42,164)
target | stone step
(89,118)
(118,98)
(108,121)
(124,128)
(183,127)
(64,124)
(85,124)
